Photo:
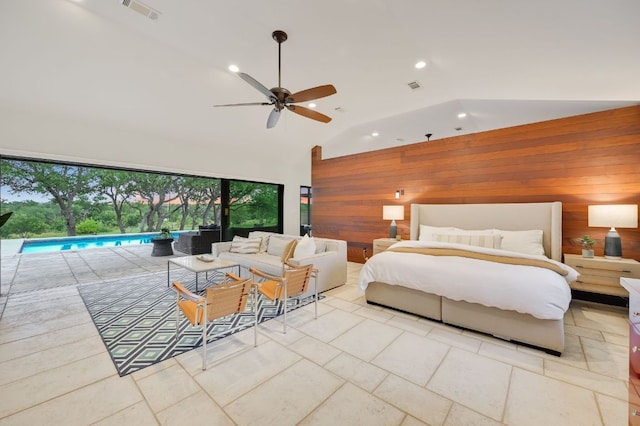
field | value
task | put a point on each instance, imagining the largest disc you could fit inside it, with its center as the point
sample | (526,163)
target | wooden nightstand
(381,244)
(601,275)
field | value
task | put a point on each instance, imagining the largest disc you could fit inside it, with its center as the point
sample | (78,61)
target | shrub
(87,227)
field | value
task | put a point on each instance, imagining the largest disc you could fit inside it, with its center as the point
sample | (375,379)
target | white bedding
(539,292)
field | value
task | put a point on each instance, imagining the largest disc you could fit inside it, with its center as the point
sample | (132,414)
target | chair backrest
(226,299)
(298,278)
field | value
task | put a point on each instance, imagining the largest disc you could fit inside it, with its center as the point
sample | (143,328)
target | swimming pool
(42,245)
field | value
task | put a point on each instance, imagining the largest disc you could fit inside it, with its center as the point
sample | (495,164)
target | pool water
(43,245)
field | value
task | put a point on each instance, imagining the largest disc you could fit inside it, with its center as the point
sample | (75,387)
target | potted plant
(587,246)
(165,233)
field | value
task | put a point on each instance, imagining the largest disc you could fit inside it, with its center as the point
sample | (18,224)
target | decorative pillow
(426,232)
(245,245)
(264,235)
(277,243)
(305,247)
(289,251)
(527,242)
(488,240)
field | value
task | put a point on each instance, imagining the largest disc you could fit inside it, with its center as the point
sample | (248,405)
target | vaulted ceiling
(501,62)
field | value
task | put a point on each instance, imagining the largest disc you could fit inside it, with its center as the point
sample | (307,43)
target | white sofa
(330,258)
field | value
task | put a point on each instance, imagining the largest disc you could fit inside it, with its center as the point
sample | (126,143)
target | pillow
(488,240)
(288,251)
(277,243)
(321,246)
(245,245)
(264,235)
(305,247)
(527,242)
(426,232)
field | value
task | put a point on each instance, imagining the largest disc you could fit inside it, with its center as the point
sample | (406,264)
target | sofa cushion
(289,251)
(245,245)
(261,261)
(277,244)
(264,236)
(305,247)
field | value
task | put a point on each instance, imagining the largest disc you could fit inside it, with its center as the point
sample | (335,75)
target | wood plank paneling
(581,160)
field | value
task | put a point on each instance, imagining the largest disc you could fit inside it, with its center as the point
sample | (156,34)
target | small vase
(587,252)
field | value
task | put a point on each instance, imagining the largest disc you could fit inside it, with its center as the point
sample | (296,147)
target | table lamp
(613,215)
(393,213)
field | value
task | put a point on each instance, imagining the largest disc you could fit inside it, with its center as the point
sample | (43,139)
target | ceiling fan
(281,98)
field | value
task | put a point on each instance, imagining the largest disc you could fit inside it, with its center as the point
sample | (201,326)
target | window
(305,210)
(56,199)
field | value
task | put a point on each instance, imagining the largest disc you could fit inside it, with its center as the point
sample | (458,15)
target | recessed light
(374,134)
(234,68)
(312,105)
(420,64)
(462,115)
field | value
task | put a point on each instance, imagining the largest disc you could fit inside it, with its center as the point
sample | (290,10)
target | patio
(26,272)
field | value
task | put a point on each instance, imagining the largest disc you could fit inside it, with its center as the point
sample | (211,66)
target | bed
(483,288)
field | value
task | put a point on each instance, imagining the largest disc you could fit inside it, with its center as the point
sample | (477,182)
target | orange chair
(219,301)
(294,282)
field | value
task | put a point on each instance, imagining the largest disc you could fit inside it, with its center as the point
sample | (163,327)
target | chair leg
(284,301)
(254,306)
(204,338)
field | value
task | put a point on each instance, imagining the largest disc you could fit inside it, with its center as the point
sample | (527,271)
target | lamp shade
(393,212)
(613,216)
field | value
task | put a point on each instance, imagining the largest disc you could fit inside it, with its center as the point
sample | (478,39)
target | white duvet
(526,289)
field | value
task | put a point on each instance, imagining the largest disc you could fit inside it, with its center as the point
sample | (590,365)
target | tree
(117,186)
(64,183)
(155,190)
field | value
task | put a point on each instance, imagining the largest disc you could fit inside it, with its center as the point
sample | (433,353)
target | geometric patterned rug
(135,317)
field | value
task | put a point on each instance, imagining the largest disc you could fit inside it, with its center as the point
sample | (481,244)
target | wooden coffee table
(194,264)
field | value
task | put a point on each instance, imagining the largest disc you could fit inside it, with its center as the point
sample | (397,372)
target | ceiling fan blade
(274,116)
(309,113)
(257,85)
(311,94)
(244,104)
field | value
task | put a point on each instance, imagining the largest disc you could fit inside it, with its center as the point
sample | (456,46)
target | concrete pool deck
(20,273)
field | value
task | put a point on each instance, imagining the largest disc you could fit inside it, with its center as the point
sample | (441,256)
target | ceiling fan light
(312,105)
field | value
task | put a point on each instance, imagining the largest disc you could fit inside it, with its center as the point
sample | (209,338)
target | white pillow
(305,247)
(277,243)
(245,245)
(321,246)
(426,232)
(527,242)
(478,239)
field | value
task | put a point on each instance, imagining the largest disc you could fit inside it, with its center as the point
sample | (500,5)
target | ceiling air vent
(414,85)
(141,8)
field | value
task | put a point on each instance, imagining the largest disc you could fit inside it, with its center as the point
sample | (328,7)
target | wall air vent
(414,85)
(141,8)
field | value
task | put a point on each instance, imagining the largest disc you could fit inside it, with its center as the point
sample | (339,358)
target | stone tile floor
(355,364)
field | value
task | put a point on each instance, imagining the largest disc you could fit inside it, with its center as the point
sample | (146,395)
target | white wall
(75,86)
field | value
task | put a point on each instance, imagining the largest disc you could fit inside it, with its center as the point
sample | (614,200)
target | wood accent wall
(581,160)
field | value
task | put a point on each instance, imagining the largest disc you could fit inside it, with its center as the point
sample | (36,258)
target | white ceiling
(503,62)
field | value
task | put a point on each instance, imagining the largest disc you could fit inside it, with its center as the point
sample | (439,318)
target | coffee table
(194,264)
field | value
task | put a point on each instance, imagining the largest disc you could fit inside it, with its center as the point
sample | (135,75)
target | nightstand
(601,275)
(381,244)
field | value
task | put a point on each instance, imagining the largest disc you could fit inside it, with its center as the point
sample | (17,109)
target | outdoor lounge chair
(293,283)
(219,301)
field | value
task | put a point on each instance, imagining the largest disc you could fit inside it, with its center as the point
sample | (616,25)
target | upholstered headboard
(511,217)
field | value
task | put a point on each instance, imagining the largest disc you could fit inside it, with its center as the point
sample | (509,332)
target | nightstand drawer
(381,244)
(603,266)
(601,275)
